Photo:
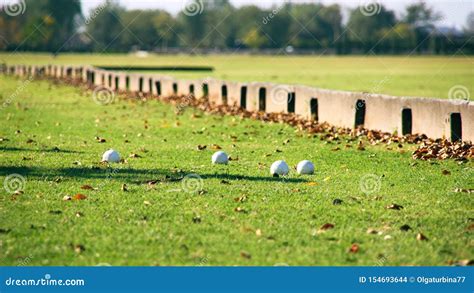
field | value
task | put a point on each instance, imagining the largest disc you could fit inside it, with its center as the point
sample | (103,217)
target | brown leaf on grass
(201,147)
(394,206)
(354,248)
(79,248)
(337,201)
(242,198)
(325,227)
(470,227)
(233,159)
(223,181)
(463,262)
(88,187)
(421,237)
(405,228)
(79,196)
(360,146)
(100,139)
(240,210)
(245,254)
(336,149)
(215,147)
(465,190)
(124,187)
(372,231)
(30,140)
(446,172)
(133,155)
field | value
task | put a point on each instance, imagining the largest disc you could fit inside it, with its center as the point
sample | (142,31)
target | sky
(454,12)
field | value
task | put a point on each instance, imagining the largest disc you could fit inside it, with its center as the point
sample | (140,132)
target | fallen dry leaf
(337,201)
(240,210)
(354,248)
(245,254)
(446,172)
(405,227)
(394,206)
(312,183)
(242,198)
(67,197)
(79,196)
(421,237)
(133,155)
(325,227)
(88,187)
(124,187)
(201,147)
(215,147)
(465,190)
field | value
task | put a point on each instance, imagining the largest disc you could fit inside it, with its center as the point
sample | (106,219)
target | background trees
(60,25)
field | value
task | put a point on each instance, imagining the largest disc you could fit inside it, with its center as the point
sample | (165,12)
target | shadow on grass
(125,174)
(50,150)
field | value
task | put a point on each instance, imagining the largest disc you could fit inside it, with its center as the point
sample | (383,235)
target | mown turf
(277,221)
(395,75)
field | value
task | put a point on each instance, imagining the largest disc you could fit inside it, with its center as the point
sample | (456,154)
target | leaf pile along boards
(427,148)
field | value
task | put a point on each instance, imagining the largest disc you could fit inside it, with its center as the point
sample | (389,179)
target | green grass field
(399,75)
(239,215)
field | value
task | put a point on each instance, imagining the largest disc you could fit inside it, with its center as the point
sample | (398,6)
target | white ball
(220,158)
(279,168)
(111,156)
(305,167)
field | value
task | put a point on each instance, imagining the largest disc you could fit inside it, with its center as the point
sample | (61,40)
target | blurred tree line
(60,25)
